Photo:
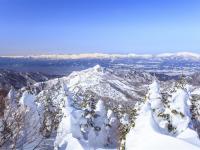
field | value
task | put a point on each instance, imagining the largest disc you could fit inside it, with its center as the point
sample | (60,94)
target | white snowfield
(148,134)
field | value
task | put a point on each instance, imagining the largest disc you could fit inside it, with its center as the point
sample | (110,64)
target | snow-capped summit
(179,55)
(106,83)
(98,68)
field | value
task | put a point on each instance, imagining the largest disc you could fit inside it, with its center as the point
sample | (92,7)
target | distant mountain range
(183,55)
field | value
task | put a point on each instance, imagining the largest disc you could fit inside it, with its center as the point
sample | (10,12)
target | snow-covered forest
(97,109)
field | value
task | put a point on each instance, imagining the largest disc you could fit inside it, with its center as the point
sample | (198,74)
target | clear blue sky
(107,26)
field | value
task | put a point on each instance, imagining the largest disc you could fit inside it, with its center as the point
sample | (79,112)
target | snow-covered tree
(171,112)
(20,125)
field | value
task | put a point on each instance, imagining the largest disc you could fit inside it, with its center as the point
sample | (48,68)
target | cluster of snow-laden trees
(87,124)
(166,111)
(54,118)
(18,125)
(29,119)
(171,109)
(195,112)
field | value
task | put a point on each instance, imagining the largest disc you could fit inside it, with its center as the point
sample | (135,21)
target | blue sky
(107,26)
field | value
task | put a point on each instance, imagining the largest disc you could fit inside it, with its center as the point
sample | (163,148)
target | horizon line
(103,55)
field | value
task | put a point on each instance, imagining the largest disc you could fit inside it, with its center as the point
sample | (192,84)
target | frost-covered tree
(95,124)
(19,125)
(195,112)
(98,133)
(171,112)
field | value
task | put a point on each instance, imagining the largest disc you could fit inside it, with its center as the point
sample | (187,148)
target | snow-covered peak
(86,78)
(188,54)
(98,68)
(185,55)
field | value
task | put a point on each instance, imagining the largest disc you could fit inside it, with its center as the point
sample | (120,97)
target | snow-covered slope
(9,78)
(164,123)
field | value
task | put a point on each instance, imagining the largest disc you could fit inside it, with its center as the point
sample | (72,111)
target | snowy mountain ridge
(106,83)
